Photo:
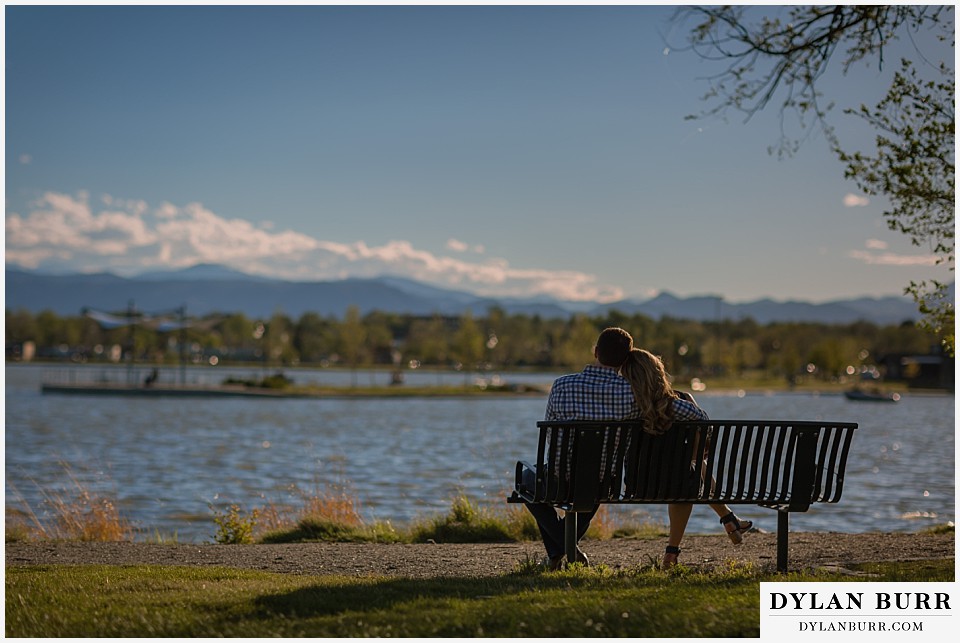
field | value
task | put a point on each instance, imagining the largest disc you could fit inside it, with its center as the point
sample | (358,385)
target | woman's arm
(685,409)
(683,395)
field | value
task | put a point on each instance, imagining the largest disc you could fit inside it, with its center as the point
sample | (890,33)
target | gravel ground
(806,551)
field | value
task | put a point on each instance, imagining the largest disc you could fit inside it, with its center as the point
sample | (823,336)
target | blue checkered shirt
(598,393)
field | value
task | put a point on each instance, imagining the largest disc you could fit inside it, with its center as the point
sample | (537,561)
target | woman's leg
(734,527)
(721,509)
(679,515)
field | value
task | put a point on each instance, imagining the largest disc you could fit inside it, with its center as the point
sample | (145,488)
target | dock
(165,390)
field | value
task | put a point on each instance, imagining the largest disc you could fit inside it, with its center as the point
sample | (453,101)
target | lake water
(167,460)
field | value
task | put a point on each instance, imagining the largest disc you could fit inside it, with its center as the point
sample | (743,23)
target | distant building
(934,370)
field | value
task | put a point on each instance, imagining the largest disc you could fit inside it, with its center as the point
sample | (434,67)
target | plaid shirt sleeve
(685,411)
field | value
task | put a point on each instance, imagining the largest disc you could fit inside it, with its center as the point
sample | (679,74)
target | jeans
(550,523)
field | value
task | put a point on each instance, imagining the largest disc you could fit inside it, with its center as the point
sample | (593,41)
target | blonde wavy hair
(651,389)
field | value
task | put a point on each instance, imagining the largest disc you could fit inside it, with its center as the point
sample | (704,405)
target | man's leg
(551,527)
(583,522)
(549,522)
(575,554)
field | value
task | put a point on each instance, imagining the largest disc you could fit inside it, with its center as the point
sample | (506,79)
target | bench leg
(570,535)
(783,531)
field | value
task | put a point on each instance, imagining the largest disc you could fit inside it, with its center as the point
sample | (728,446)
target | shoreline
(807,550)
(400,391)
(307,392)
(720,386)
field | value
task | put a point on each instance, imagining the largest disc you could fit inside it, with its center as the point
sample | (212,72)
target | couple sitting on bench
(623,383)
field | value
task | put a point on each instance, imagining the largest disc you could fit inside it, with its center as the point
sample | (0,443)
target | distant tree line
(494,341)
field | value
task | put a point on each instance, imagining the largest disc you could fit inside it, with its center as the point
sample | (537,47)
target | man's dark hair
(613,346)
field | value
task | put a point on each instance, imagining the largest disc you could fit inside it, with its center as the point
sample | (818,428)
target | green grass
(155,601)
(948,528)
(467,521)
(316,529)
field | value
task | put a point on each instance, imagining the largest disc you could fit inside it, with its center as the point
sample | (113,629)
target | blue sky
(503,150)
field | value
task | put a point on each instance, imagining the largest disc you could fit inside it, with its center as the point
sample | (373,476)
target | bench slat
(771,465)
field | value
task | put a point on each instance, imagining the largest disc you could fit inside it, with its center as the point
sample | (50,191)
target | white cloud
(874,255)
(459,246)
(63,232)
(892,259)
(851,200)
(166,211)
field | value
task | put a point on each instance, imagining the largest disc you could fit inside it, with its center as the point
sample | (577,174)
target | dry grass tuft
(73,513)
(334,503)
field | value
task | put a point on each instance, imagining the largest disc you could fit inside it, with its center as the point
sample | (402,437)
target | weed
(651,563)
(313,528)
(520,523)
(162,539)
(17,528)
(73,513)
(331,512)
(528,565)
(327,502)
(466,523)
(946,528)
(602,524)
(233,528)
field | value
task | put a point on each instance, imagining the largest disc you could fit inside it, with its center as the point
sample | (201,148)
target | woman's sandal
(735,527)
(670,557)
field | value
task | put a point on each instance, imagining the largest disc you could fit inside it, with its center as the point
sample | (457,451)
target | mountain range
(205,289)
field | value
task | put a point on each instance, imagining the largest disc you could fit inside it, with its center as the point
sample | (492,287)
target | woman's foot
(670,557)
(735,527)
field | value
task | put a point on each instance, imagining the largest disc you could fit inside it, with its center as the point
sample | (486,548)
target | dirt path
(806,551)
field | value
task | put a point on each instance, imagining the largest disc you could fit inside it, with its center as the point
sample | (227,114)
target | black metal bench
(782,465)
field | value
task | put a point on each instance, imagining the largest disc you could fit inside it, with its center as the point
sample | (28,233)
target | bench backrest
(781,464)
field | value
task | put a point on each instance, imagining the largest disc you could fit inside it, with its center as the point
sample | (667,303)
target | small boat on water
(859,395)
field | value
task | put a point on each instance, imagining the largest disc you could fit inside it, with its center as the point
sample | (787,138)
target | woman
(660,406)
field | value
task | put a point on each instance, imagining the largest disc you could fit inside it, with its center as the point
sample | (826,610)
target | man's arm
(558,402)
(551,412)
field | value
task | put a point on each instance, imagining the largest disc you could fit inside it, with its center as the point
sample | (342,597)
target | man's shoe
(556,563)
(553,564)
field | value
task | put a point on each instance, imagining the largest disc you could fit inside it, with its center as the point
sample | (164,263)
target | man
(598,392)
